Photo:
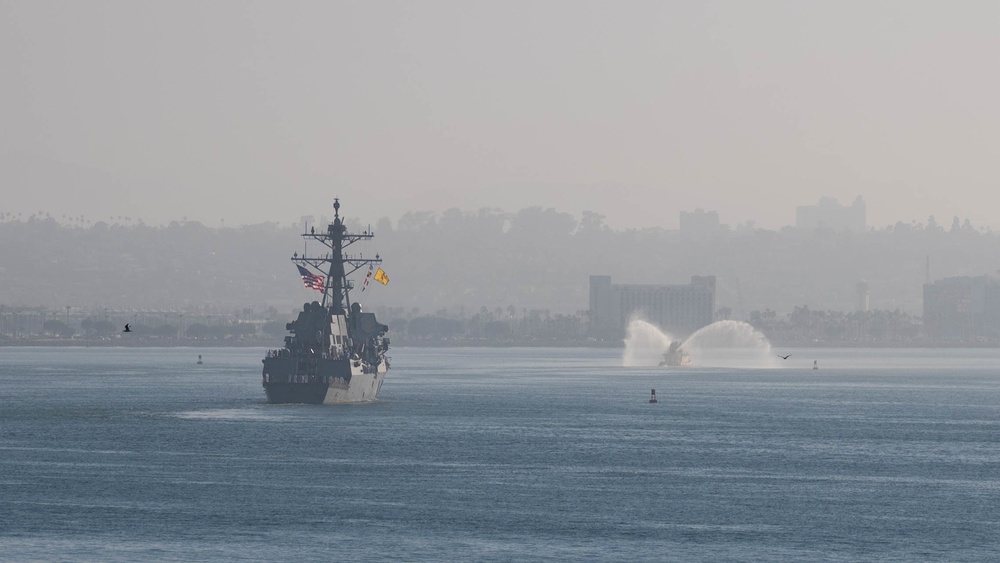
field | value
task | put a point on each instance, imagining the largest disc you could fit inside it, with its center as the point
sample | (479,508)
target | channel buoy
(652,396)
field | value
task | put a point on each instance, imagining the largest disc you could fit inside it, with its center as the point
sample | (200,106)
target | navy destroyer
(335,353)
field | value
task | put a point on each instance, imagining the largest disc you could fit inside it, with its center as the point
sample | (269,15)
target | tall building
(963,308)
(829,214)
(676,309)
(864,297)
(700,224)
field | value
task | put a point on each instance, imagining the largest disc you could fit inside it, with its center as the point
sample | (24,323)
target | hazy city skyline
(256,111)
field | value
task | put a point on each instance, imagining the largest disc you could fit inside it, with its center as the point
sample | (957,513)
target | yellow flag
(381,277)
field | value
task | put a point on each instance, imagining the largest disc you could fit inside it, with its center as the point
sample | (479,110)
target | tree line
(532,259)
(502,326)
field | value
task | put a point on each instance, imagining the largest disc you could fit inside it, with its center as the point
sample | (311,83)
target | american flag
(310,279)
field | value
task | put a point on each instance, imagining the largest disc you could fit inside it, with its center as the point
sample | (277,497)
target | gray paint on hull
(318,380)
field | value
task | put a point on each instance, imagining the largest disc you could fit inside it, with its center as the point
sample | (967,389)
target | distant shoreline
(120,344)
(262,343)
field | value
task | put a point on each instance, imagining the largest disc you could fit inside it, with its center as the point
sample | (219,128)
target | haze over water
(501,454)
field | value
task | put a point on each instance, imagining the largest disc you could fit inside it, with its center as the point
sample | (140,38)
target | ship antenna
(336,207)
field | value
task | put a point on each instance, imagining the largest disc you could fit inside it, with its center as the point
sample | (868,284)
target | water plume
(720,344)
(644,344)
(730,344)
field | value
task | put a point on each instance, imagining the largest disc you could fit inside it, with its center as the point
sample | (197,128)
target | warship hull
(287,380)
(334,352)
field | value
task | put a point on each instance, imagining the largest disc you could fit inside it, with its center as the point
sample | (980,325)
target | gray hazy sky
(255,111)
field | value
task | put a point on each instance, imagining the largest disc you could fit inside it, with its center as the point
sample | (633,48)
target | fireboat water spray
(644,344)
(720,344)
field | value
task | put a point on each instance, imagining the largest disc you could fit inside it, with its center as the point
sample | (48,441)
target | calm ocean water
(123,454)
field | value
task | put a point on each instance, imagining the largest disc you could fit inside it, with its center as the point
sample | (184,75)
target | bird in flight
(127,328)
(784,357)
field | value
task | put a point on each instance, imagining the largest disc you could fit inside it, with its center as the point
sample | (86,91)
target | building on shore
(700,224)
(829,214)
(677,309)
(864,297)
(963,309)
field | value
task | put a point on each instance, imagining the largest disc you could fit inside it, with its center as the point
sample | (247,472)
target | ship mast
(337,265)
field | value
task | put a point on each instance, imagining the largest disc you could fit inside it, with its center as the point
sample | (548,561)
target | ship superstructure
(335,353)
